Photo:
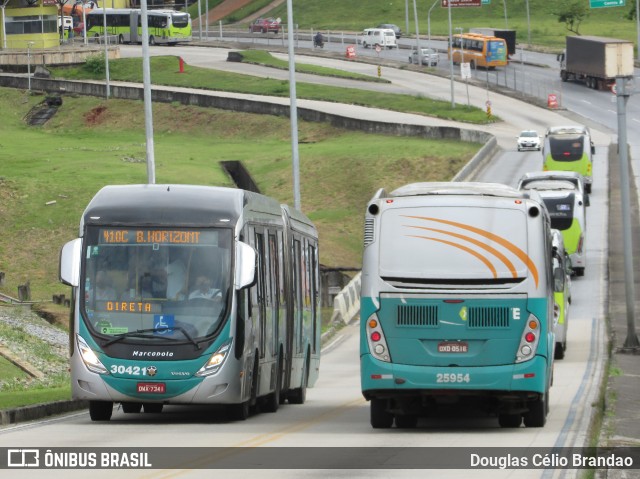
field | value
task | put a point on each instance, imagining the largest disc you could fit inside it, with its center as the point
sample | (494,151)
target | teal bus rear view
(456,303)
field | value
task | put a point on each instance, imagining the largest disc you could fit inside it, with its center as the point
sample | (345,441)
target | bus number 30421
(452,378)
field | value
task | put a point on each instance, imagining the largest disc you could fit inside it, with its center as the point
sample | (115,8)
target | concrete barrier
(346,304)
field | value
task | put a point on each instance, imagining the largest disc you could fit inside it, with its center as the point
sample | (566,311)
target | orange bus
(479,50)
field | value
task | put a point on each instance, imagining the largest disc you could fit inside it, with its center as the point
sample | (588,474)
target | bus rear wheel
(152,40)
(510,420)
(380,417)
(120,39)
(100,410)
(406,421)
(538,409)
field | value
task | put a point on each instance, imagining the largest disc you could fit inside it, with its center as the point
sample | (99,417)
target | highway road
(335,413)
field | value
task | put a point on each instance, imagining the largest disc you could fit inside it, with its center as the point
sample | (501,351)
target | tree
(632,13)
(61,4)
(571,13)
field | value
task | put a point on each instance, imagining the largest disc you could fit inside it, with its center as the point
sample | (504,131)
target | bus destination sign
(124,236)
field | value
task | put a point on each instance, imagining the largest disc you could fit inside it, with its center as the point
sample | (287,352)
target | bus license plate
(453,347)
(153,388)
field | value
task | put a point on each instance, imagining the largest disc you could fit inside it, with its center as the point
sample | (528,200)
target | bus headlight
(216,360)
(89,357)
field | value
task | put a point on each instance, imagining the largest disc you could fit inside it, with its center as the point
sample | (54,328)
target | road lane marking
(259,440)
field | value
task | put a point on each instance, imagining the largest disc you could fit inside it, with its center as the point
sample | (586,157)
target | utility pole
(631,342)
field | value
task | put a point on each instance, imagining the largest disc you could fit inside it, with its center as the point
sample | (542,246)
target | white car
(529,140)
(429,57)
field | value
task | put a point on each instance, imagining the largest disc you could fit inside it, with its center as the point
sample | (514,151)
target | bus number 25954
(453,378)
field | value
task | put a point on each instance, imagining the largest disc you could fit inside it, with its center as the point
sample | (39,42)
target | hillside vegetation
(544,26)
(50,173)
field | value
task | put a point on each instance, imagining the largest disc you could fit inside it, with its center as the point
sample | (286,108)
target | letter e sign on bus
(461,3)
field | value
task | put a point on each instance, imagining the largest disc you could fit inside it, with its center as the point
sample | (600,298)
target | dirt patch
(95,115)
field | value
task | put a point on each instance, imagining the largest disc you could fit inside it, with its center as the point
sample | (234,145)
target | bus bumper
(379,379)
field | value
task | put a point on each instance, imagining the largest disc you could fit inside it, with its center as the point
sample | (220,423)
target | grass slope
(543,24)
(91,143)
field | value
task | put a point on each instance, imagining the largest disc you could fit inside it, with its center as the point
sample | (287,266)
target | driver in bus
(204,290)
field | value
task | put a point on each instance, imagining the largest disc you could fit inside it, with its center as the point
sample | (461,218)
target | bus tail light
(529,340)
(376,340)
(89,357)
(580,243)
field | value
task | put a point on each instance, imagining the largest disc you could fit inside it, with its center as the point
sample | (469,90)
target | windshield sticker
(163,323)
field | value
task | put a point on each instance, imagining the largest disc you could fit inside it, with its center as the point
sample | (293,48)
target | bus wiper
(143,333)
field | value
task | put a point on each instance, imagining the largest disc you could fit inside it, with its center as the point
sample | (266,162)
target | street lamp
(529,25)
(29,45)
(429,20)
(418,49)
(106,50)
(506,24)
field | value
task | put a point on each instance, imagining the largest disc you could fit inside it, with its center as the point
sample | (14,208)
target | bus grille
(417,315)
(368,231)
(488,317)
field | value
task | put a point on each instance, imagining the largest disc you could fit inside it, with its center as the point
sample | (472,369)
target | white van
(383,37)
(68,23)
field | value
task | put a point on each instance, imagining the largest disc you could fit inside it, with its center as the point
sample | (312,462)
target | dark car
(395,28)
(264,25)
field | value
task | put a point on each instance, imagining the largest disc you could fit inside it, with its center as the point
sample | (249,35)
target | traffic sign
(461,3)
(486,2)
(605,3)
(465,70)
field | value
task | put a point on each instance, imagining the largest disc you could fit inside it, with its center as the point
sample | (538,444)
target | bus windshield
(180,20)
(566,148)
(169,283)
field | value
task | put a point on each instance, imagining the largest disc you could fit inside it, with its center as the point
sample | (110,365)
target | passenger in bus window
(204,290)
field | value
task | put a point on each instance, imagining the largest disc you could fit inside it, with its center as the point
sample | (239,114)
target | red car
(264,25)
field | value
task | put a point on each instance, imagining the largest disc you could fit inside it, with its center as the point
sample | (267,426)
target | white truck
(596,61)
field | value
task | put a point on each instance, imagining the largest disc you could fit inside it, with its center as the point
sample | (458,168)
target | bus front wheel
(152,40)
(120,39)
(100,410)
(380,417)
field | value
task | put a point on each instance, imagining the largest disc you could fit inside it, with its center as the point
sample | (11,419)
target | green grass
(12,399)
(10,370)
(262,57)
(165,72)
(339,15)
(91,143)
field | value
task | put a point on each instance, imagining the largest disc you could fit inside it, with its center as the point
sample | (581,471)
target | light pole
(622,96)
(506,24)
(429,20)
(528,25)
(406,16)
(29,45)
(638,26)
(453,101)
(293,109)
(106,51)
(84,22)
(146,79)
(418,49)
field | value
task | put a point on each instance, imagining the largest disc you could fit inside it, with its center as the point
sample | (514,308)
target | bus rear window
(560,211)
(566,149)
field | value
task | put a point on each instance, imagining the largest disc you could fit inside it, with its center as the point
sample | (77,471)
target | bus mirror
(70,256)
(245,265)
